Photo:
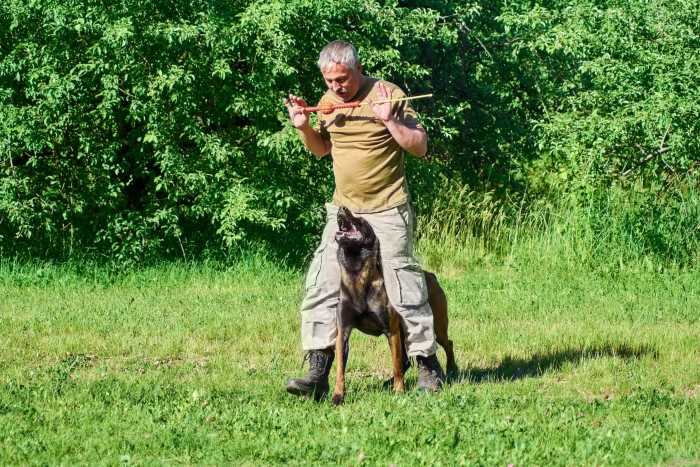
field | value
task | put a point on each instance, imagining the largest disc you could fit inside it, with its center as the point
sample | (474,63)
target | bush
(136,130)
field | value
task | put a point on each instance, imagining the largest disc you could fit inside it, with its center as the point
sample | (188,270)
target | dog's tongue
(348,229)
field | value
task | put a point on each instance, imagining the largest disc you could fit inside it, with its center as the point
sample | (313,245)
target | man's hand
(408,135)
(311,138)
(295,106)
(382,111)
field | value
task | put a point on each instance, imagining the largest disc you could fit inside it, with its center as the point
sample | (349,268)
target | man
(366,144)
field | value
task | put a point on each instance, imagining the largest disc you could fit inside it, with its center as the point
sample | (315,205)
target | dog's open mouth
(346,228)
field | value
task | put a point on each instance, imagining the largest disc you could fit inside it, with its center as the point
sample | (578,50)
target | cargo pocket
(411,288)
(312,275)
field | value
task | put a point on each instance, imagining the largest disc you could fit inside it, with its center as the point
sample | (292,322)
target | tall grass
(633,227)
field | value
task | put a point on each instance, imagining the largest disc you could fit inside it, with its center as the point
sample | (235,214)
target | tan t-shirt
(368,163)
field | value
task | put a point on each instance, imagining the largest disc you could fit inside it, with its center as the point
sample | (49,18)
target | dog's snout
(344,214)
(342,218)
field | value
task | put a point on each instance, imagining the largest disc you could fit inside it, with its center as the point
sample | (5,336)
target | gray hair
(340,52)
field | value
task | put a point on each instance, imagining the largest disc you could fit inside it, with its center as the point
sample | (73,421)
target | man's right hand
(311,138)
(295,106)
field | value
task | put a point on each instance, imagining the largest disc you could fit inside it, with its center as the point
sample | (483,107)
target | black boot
(430,374)
(315,383)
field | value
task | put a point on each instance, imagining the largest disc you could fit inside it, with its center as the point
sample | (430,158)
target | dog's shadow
(512,369)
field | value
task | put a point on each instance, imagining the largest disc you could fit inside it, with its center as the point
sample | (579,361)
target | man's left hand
(382,111)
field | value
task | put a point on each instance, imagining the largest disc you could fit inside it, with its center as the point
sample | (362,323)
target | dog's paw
(338,399)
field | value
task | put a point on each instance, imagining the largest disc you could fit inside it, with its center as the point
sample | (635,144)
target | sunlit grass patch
(186,363)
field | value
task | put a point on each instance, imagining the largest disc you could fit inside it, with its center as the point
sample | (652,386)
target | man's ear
(359,68)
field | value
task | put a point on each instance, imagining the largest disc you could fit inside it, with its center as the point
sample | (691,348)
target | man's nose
(335,86)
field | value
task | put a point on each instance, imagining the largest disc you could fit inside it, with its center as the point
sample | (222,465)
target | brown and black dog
(364,303)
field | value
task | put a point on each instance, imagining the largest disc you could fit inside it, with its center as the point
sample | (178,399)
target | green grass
(186,364)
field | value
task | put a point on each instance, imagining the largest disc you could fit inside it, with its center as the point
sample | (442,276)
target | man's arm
(314,142)
(409,136)
(413,139)
(312,139)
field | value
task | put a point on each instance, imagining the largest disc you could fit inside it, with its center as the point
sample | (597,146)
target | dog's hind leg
(406,361)
(438,304)
(452,368)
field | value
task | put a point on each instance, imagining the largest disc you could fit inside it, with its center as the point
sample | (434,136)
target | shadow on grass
(511,369)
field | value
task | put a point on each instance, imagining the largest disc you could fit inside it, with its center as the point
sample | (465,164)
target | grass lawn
(186,364)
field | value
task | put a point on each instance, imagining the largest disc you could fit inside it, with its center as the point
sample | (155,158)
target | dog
(364,303)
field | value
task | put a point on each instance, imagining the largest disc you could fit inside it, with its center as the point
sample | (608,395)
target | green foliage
(138,130)
(618,89)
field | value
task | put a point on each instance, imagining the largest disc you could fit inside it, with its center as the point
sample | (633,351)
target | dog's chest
(367,304)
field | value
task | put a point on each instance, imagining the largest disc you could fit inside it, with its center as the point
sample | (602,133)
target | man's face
(343,80)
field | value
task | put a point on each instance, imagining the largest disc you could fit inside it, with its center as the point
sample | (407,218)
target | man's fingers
(289,104)
(295,105)
(386,92)
(382,91)
(293,100)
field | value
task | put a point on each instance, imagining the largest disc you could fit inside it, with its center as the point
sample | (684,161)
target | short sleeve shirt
(368,164)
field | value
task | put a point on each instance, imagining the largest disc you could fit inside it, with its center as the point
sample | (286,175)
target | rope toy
(327,107)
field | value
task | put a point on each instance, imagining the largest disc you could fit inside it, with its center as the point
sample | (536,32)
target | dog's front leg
(341,350)
(339,391)
(341,346)
(396,347)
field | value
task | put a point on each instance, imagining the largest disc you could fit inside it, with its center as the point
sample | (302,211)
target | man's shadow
(512,369)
